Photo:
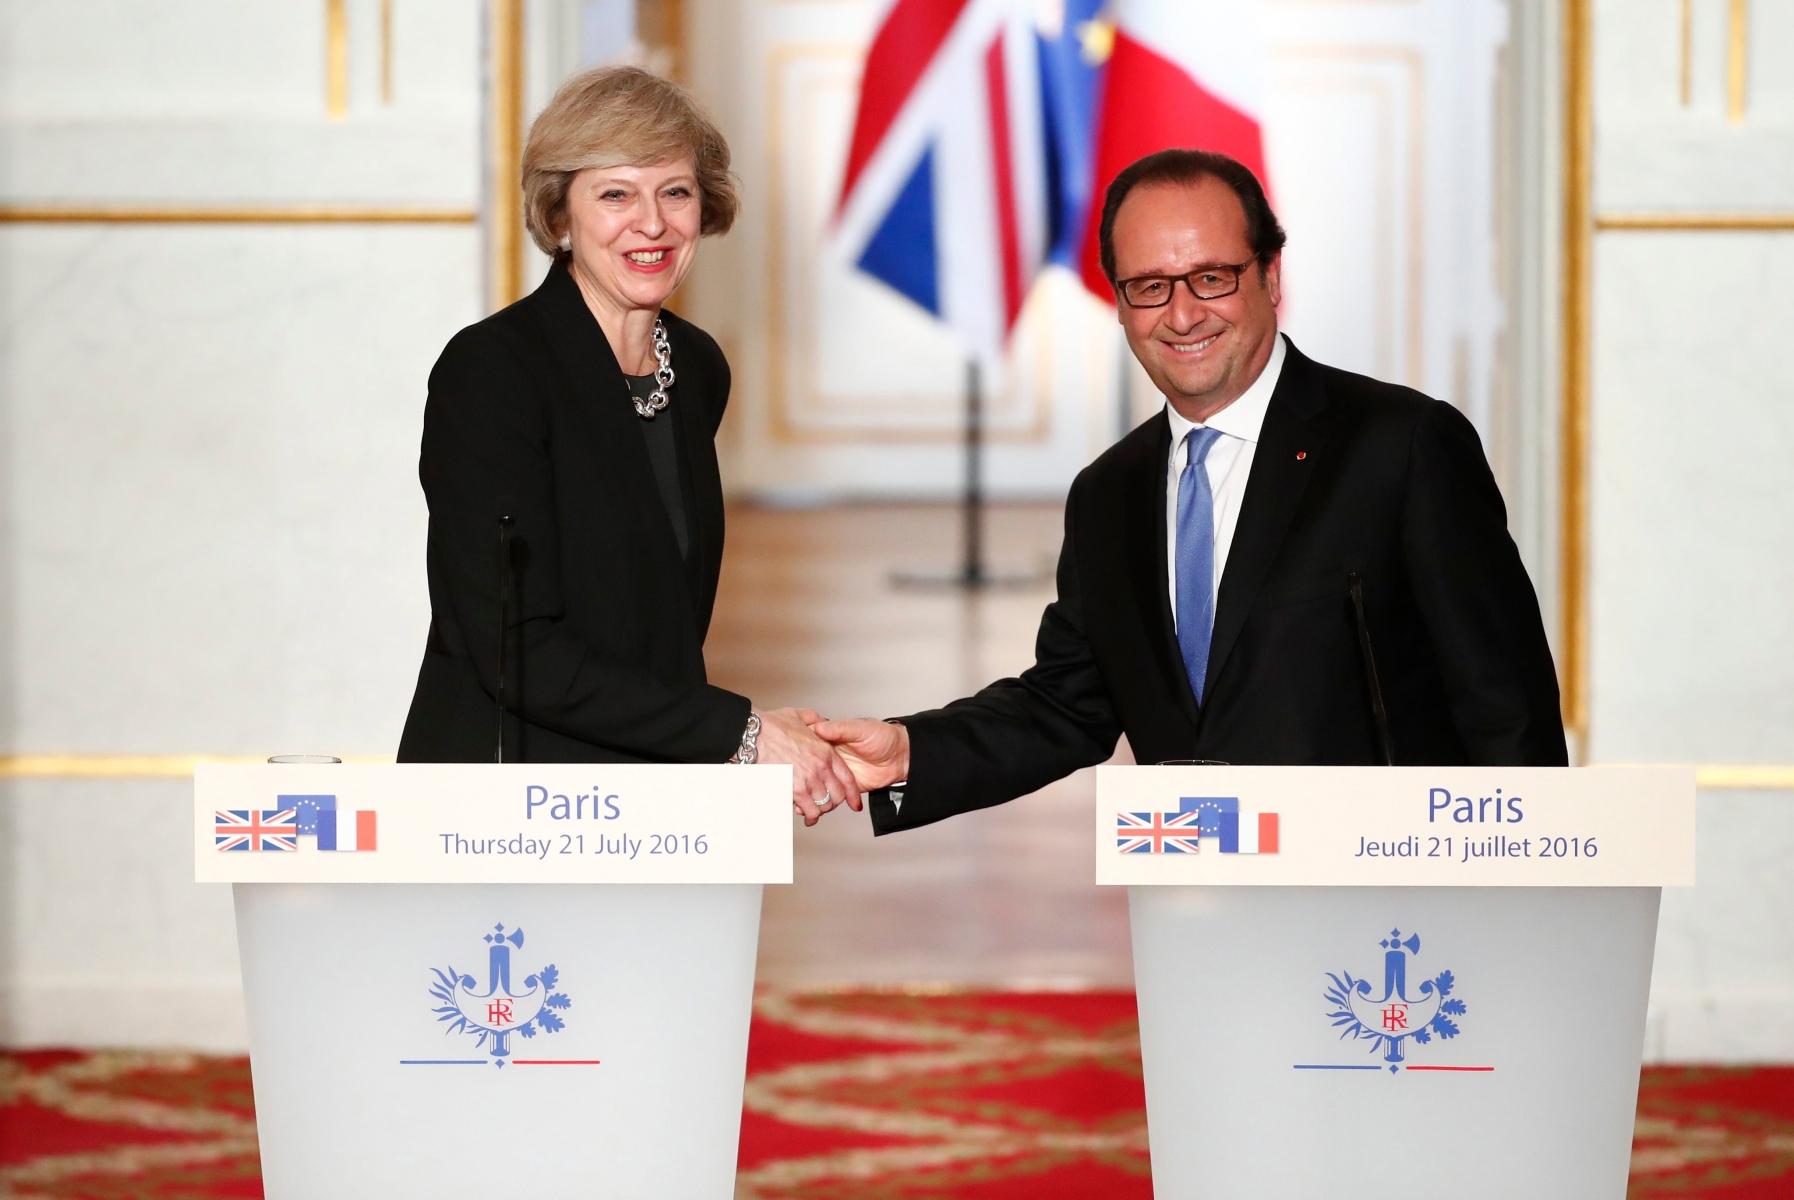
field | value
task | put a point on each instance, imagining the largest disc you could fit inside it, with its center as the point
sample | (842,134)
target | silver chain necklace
(663,376)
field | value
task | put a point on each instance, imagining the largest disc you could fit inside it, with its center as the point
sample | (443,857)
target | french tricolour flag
(347,830)
(1180,73)
(946,193)
(1235,832)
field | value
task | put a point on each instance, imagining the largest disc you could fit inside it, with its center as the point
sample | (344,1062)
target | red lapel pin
(1301,454)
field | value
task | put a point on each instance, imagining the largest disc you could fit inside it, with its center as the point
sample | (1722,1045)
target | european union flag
(1069,76)
(306,809)
(1211,808)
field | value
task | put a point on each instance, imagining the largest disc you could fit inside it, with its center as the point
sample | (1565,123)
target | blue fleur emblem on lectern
(1392,1014)
(491,1015)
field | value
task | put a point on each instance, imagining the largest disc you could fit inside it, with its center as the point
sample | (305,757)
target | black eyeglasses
(1209,282)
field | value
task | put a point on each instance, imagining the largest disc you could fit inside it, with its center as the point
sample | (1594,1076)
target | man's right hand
(877,752)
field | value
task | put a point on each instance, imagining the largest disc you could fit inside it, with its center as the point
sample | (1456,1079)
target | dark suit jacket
(1390,485)
(529,417)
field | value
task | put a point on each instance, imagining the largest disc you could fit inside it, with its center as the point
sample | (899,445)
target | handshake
(832,761)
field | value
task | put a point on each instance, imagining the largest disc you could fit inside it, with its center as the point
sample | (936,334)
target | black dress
(530,417)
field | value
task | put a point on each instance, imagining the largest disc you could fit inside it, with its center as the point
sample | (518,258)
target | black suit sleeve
(485,455)
(1017,735)
(1477,601)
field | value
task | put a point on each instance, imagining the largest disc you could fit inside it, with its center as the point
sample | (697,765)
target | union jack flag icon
(256,829)
(1157,833)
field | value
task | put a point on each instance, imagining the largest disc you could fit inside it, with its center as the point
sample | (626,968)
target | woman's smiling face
(634,230)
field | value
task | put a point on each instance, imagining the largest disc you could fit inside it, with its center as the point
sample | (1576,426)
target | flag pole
(972,571)
(971,575)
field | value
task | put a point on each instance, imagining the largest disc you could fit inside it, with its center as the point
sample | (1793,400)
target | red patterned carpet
(865,1095)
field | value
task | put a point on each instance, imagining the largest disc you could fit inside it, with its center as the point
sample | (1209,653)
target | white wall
(1723,987)
(211,533)
(105,937)
(1692,509)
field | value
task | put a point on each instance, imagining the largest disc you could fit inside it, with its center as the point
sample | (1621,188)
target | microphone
(1370,672)
(504,620)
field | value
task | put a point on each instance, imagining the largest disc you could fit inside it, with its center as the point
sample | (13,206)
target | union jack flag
(1157,833)
(256,829)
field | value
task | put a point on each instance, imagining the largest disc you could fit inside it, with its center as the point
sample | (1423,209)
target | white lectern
(496,980)
(1402,982)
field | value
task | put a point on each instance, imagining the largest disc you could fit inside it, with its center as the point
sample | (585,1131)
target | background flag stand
(972,574)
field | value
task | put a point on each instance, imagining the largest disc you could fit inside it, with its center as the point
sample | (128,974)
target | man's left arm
(1477,600)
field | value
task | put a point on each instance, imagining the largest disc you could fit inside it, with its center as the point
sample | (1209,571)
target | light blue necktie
(1196,558)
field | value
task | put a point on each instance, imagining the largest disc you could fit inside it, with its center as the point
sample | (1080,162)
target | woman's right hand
(819,779)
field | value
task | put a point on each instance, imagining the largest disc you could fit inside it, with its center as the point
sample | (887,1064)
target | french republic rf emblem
(495,1012)
(1391,1016)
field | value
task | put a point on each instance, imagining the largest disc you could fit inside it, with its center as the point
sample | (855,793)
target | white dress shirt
(1229,464)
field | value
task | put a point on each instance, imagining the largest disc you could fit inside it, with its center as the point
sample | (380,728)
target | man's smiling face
(1202,354)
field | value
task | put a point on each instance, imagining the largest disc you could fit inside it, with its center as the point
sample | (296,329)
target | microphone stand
(1370,672)
(504,620)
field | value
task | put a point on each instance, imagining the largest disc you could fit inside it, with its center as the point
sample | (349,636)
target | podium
(1392,982)
(468,980)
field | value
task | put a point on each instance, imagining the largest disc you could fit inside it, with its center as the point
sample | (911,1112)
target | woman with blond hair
(578,428)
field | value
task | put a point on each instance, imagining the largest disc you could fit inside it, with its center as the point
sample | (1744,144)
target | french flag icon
(1248,833)
(347,830)
(1235,831)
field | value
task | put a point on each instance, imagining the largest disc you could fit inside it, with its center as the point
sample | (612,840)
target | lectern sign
(1383,826)
(485,823)
(504,1009)
(1416,1010)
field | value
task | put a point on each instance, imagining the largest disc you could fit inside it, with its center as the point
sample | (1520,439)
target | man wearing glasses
(1290,564)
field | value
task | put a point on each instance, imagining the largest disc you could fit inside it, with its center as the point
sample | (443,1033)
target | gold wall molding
(1763,777)
(233,214)
(661,26)
(1737,60)
(336,59)
(386,51)
(504,152)
(1717,222)
(1578,237)
(130,766)
(1687,48)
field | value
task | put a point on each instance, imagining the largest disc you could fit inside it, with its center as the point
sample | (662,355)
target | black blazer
(529,417)
(1390,485)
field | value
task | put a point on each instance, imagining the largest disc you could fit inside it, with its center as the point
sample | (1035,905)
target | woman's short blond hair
(620,116)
